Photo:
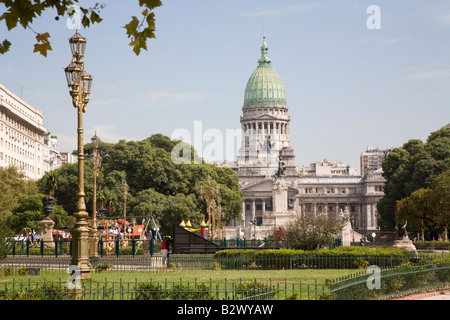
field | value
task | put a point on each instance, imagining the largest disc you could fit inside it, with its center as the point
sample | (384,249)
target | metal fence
(387,283)
(128,247)
(218,262)
(134,290)
(359,286)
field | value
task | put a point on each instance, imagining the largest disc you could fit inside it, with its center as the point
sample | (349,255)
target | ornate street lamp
(79,82)
(96,161)
(211,195)
(125,195)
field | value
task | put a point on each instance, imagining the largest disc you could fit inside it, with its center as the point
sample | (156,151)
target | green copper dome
(264,86)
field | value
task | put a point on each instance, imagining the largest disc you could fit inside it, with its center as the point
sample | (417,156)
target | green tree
(6,236)
(157,186)
(413,166)
(313,231)
(66,193)
(29,212)
(13,184)
(24,12)
(416,210)
(51,181)
(440,199)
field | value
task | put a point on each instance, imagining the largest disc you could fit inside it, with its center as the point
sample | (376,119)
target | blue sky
(347,86)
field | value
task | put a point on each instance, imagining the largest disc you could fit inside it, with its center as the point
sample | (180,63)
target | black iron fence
(129,247)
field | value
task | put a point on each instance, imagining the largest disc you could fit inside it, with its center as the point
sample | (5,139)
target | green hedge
(338,258)
(432,245)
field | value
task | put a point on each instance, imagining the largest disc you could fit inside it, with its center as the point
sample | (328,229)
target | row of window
(18,150)
(10,161)
(329,190)
(18,124)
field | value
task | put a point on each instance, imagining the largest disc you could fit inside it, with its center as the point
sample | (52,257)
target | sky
(354,77)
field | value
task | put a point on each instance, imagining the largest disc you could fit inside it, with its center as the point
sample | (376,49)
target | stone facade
(21,135)
(269,201)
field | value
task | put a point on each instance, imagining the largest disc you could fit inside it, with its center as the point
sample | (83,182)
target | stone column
(253,209)
(243,213)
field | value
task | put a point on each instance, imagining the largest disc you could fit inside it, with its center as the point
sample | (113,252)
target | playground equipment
(27,234)
(114,227)
(203,230)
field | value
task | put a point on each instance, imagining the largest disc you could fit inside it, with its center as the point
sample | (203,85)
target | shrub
(154,291)
(103,267)
(338,258)
(361,263)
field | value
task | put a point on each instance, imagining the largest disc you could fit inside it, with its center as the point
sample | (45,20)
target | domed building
(274,191)
(265,122)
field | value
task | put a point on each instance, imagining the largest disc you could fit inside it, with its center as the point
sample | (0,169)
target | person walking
(164,250)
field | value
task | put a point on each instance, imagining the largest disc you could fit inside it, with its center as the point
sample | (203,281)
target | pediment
(264,185)
(266,117)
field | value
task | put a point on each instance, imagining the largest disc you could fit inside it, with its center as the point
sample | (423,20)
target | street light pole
(125,195)
(96,161)
(79,82)
(212,197)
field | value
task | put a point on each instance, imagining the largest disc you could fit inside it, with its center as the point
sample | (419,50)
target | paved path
(438,295)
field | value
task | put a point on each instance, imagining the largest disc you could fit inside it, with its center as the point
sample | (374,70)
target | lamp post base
(80,246)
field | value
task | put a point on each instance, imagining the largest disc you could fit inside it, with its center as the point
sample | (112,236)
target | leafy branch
(24,12)
(139,32)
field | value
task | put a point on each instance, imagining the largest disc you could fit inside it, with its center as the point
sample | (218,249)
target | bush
(103,266)
(432,245)
(153,291)
(338,258)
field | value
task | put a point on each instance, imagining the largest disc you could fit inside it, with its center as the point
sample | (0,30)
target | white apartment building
(21,135)
(327,168)
(372,159)
(52,157)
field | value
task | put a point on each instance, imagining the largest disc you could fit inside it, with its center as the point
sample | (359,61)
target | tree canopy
(313,231)
(156,185)
(411,167)
(29,212)
(427,210)
(13,184)
(24,12)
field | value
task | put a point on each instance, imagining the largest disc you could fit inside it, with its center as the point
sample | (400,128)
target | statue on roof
(280,174)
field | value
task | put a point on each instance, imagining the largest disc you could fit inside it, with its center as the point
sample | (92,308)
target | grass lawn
(289,284)
(274,276)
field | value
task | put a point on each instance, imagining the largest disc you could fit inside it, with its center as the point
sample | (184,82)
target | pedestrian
(164,250)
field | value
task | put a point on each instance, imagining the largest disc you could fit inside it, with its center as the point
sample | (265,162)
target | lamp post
(211,195)
(96,161)
(79,82)
(125,195)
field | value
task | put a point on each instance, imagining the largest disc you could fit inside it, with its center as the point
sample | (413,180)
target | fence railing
(390,282)
(133,290)
(128,247)
(215,262)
